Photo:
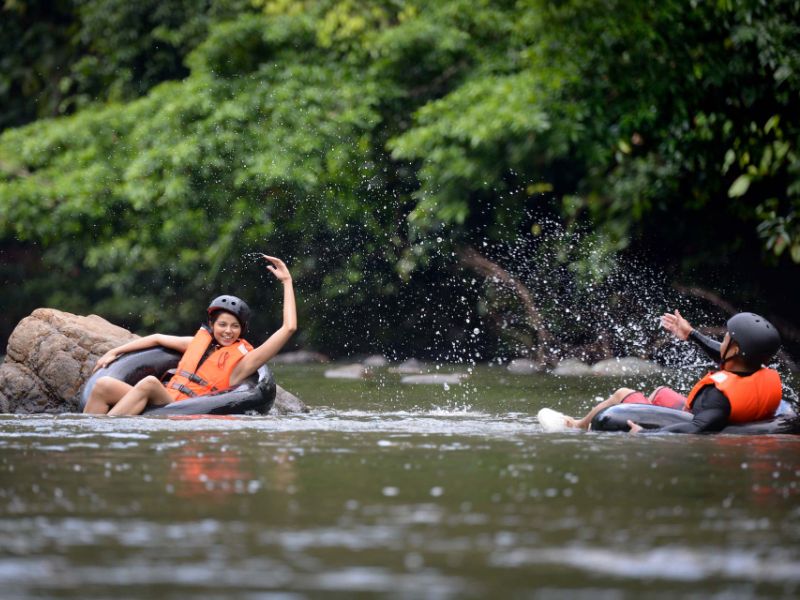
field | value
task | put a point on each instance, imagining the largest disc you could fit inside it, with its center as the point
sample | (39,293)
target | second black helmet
(757,338)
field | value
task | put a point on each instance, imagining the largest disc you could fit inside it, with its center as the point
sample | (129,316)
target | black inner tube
(615,418)
(254,394)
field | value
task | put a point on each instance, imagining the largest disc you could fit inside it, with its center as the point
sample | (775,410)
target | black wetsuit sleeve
(711,410)
(707,345)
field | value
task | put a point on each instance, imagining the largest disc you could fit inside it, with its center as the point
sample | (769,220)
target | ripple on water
(130,429)
(685,564)
(210,570)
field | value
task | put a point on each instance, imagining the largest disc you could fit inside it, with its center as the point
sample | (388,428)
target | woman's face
(226,328)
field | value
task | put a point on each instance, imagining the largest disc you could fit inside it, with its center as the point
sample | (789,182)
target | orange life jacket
(752,397)
(211,376)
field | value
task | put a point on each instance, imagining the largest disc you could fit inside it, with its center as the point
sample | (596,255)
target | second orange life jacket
(753,397)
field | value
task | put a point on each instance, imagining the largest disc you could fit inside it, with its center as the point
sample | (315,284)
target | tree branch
(469,257)
(788,331)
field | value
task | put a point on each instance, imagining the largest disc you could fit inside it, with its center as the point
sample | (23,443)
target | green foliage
(58,57)
(367,141)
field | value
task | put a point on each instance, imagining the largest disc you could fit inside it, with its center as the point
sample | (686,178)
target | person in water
(215,358)
(742,390)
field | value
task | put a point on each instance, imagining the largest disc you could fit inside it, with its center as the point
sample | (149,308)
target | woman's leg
(615,398)
(106,392)
(148,391)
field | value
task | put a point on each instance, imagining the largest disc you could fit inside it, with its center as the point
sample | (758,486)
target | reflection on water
(391,500)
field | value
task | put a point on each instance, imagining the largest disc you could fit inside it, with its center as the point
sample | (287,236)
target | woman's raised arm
(250,363)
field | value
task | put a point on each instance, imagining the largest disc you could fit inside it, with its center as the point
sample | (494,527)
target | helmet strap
(724,358)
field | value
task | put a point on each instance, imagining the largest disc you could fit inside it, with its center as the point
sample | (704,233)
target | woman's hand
(105,360)
(278,268)
(676,325)
(260,355)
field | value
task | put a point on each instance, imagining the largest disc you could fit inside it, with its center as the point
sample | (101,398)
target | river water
(397,491)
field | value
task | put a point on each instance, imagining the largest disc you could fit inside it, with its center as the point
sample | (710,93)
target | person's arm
(682,329)
(711,410)
(709,346)
(173,342)
(259,356)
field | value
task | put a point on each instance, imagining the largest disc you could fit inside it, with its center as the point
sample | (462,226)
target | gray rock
(435,378)
(408,367)
(300,357)
(287,403)
(355,371)
(523,366)
(50,356)
(376,360)
(626,365)
(572,367)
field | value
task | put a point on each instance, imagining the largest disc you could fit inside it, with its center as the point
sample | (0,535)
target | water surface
(386,490)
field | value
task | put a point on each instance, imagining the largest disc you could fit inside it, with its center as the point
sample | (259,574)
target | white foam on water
(130,430)
(667,563)
(432,412)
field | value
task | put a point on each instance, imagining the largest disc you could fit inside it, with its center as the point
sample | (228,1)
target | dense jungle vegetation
(453,178)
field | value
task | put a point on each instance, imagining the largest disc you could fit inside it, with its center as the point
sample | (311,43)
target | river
(396,491)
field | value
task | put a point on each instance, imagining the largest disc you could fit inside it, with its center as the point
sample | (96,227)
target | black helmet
(235,306)
(758,340)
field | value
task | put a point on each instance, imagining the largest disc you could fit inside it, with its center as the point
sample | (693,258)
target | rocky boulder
(49,357)
(299,357)
(51,354)
(287,403)
(523,366)
(354,371)
(410,366)
(375,361)
(435,378)
(572,367)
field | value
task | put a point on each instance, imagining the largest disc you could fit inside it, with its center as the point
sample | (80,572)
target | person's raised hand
(278,268)
(676,325)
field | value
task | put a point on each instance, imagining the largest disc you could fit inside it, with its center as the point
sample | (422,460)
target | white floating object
(552,420)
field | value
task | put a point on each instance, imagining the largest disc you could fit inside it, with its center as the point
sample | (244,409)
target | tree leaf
(739,187)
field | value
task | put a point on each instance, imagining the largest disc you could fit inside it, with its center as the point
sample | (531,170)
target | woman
(216,357)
